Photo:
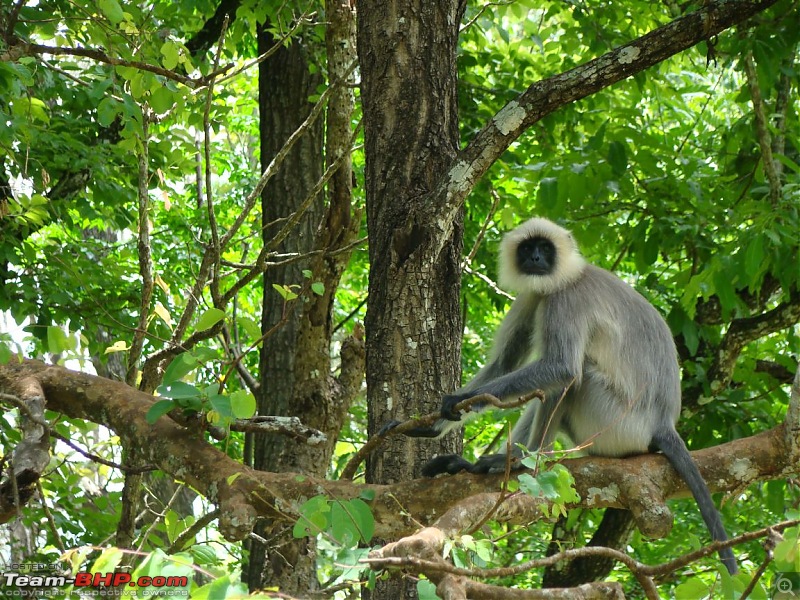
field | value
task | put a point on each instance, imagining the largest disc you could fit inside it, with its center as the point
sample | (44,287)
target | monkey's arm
(512,346)
(563,336)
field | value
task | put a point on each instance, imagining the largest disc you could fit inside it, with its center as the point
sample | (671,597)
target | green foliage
(660,177)
(556,484)
(344,522)
(343,528)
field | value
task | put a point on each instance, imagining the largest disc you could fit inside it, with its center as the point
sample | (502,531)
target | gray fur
(581,329)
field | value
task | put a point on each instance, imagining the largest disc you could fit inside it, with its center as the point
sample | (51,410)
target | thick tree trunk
(285,85)
(407,54)
(296,362)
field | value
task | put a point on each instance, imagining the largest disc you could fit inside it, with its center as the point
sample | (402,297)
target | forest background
(227,217)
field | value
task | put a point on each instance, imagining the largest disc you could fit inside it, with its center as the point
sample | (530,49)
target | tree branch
(545,97)
(244,494)
(745,330)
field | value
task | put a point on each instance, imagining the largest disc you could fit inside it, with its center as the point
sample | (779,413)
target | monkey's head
(539,257)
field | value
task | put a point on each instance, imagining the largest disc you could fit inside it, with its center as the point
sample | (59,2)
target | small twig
(289,426)
(18,48)
(145,256)
(51,522)
(484,228)
(501,497)
(769,547)
(287,228)
(762,129)
(485,278)
(212,218)
(276,162)
(350,315)
(192,531)
(464,406)
(301,20)
(99,459)
(159,517)
(482,10)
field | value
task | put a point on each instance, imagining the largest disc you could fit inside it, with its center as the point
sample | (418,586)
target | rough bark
(243,494)
(407,54)
(296,365)
(285,84)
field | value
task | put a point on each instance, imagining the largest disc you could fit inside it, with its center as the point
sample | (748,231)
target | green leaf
(221,588)
(178,389)
(204,555)
(107,561)
(210,318)
(221,404)
(243,404)
(318,288)
(172,524)
(118,346)
(162,99)
(352,521)
(314,517)
(251,328)
(548,193)
(58,341)
(529,485)
(5,353)
(112,10)
(617,158)
(691,590)
(158,410)
(776,491)
(183,364)
(29,107)
(426,590)
(285,291)
(171,53)
(343,528)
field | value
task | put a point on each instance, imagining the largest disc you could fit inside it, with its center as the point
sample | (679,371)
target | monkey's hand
(449,403)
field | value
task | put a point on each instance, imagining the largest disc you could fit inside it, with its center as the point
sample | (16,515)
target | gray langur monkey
(603,356)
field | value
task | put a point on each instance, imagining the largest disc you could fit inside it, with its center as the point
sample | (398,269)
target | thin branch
(261,262)
(769,547)
(51,522)
(145,257)
(488,281)
(641,571)
(482,10)
(484,228)
(159,517)
(275,163)
(544,97)
(289,426)
(748,329)
(13,17)
(464,406)
(18,49)
(301,20)
(215,248)
(191,532)
(762,129)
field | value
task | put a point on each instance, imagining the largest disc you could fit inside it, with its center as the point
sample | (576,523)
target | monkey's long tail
(674,448)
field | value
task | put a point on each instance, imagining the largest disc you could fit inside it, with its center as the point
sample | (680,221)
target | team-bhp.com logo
(38,585)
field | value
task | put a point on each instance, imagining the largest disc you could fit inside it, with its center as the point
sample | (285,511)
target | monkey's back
(628,342)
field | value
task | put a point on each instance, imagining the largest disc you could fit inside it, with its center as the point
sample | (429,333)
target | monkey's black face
(536,256)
